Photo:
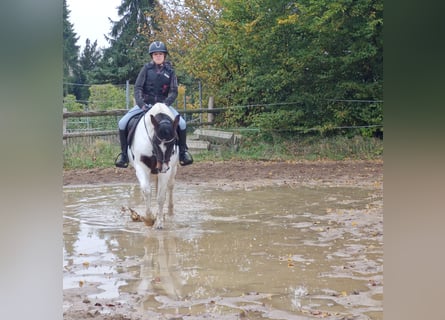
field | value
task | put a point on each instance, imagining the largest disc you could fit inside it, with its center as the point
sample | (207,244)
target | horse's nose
(165,167)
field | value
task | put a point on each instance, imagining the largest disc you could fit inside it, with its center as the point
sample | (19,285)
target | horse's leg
(144,182)
(160,197)
(170,199)
(171,184)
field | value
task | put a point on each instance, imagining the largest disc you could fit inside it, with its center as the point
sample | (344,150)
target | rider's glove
(146,107)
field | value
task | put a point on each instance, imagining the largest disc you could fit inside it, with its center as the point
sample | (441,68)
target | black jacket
(156,84)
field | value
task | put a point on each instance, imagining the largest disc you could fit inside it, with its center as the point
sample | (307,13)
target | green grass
(102,154)
(308,148)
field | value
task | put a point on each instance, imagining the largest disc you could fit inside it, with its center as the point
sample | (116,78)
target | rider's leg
(122,159)
(185,157)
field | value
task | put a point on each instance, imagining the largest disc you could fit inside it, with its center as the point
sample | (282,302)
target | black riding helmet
(157,46)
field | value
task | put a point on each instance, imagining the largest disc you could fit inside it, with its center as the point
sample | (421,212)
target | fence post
(200,100)
(64,126)
(127,93)
(210,116)
(185,104)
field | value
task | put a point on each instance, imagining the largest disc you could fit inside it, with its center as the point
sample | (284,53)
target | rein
(157,152)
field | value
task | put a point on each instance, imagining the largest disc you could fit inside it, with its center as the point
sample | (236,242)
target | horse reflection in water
(154,155)
(160,272)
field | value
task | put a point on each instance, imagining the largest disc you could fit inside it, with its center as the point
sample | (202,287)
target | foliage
(313,66)
(71,104)
(187,25)
(100,154)
(267,51)
(252,147)
(129,39)
(107,97)
(70,49)
(89,61)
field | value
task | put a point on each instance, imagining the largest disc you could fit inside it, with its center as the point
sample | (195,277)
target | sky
(90,19)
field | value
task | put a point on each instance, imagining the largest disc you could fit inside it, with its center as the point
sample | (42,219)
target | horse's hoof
(158,226)
(148,221)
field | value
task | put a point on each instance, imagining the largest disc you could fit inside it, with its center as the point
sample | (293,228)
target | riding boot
(122,160)
(185,158)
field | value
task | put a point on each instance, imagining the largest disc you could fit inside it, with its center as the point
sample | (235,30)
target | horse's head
(164,139)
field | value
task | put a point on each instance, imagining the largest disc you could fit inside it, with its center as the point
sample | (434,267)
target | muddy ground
(249,172)
(224,174)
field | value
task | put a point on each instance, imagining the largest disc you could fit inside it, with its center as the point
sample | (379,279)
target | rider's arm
(173,92)
(139,87)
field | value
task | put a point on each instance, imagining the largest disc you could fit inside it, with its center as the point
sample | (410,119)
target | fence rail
(90,134)
(120,112)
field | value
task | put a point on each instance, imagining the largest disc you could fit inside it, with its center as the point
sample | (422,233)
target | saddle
(150,162)
(132,124)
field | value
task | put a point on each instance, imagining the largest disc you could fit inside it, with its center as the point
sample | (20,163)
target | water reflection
(279,252)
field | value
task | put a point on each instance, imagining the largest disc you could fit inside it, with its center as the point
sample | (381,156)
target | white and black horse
(154,154)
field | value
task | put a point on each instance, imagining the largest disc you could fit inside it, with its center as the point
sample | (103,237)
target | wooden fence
(111,136)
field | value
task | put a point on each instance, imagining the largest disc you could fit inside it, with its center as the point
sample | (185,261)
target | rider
(156,82)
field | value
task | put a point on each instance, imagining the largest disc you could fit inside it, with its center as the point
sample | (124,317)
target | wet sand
(264,248)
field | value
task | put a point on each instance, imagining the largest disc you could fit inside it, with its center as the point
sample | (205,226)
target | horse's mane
(161,108)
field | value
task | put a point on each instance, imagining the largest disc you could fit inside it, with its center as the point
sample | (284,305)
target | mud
(264,247)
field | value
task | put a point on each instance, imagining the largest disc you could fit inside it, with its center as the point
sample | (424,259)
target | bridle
(156,142)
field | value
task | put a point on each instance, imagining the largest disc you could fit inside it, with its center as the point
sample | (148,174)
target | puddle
(266,253)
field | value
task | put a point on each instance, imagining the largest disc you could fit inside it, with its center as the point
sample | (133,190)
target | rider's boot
(122,160)
(185,158)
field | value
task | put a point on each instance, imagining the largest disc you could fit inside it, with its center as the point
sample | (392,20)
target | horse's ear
(154,121)
(176,122)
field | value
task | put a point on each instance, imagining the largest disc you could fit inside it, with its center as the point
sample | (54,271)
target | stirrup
(121,163)
(185,159)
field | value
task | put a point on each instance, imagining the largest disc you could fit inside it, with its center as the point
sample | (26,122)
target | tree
(89,60)
(87,67)
(129,40)
(343,60)
(186,26)
(300,54)
(70,51)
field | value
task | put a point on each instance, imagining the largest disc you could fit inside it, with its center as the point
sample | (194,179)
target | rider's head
(157,49)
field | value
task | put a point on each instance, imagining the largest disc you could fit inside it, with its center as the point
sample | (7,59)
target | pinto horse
(154,154)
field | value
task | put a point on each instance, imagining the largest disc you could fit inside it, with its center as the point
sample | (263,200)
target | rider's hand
(146,107)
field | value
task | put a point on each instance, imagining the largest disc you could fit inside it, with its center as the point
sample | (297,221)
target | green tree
(107,97)
(343,59)
(70,52)
(84,75)
(310,56)
(89,60)
(129,40)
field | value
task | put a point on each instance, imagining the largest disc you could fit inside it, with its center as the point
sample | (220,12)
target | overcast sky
(90,19)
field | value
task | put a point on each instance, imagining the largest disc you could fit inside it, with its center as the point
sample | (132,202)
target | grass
(102,154)
(332,148)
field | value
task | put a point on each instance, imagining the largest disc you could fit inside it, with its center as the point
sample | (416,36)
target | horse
(154,154)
